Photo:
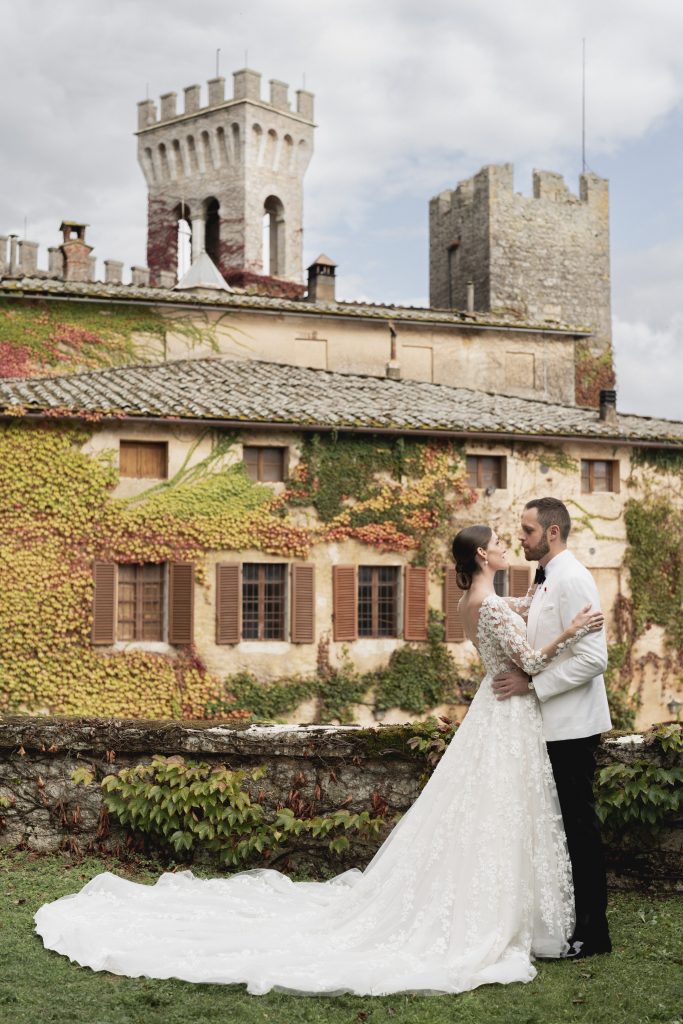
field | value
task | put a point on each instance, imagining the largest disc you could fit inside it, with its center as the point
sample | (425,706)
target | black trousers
(573,764)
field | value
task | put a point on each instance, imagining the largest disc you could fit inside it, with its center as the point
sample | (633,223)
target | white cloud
(649,364)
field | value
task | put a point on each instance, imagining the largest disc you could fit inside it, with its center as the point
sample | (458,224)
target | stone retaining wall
(325,766)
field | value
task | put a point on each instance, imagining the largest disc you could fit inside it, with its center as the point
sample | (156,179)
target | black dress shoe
(579,950)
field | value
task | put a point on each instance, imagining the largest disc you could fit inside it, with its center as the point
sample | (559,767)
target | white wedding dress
(472,882)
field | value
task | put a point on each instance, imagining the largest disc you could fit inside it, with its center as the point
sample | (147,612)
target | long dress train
(472,882)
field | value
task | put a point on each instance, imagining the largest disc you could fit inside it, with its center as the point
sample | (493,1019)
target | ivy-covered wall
(355,498)
(40,336)
(59,514)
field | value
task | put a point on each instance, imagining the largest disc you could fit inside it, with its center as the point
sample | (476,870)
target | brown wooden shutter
(415,603)
(616,476)
(345,602)
(455,630)
(228,603)
(104,603)
(180,603)
(519,580)
(303,604)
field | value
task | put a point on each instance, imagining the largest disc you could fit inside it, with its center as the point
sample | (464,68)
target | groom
(573,703)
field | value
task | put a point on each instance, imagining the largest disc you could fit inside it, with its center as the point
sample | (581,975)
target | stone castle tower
(224,168)
(544,257)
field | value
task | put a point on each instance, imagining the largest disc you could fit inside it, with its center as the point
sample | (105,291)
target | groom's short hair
(552,512)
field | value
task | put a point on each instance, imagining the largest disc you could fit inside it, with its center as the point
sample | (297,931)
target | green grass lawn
(641,982)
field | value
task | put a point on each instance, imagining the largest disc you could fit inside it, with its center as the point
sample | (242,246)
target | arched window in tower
(212,231)
(273,237)
(184,239)
(163,162)
(178,160)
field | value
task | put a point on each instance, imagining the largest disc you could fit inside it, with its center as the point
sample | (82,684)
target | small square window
(599,475)
(144,459)
(266,465)
(484,471)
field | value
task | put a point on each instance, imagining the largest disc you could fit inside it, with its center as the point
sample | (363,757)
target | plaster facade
(598,539)
(523,363)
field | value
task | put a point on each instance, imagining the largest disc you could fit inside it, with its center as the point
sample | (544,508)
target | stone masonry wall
(544,256)
(328,766)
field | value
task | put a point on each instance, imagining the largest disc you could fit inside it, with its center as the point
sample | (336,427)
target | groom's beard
(539,552)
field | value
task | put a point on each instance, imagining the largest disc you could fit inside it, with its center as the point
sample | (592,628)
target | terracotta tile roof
(270,393)
(237,299)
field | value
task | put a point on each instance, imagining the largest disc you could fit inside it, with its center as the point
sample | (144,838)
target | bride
(472,883)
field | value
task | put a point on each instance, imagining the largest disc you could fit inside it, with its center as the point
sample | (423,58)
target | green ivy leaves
(188,806)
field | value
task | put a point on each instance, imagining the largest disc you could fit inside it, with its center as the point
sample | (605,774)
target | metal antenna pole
(583,106)
(218,57)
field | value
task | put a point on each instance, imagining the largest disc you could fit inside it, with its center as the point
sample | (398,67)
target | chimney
(321,280)
(608,406)
(113,272)
(75,252)
(393,367)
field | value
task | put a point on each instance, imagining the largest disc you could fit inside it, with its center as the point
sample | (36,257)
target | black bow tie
(540,575)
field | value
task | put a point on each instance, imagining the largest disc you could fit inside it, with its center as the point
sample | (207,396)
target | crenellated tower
(541,257)
(234,170)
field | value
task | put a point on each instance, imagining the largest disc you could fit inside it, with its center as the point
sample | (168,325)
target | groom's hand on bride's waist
(511,684)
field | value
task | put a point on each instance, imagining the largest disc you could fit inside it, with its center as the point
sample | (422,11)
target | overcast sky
(410,98)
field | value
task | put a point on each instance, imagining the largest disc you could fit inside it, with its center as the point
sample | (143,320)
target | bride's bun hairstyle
(465,547)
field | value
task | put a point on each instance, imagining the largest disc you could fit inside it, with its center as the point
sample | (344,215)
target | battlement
(246,88)
(497,180)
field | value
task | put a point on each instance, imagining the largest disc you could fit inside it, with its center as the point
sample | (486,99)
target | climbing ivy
(419,676)
(416,678)
(58,515)
(593,373)
(43,336)
(392,494)
(644,794)
(654,529)
(186,805)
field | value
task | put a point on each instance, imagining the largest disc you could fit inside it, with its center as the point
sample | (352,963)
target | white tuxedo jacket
(571,689)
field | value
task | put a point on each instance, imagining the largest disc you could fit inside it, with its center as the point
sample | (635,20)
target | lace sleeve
(521,605)
(496,620)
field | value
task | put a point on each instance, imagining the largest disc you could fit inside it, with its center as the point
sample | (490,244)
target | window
(143,602)
(148,459)
(252,602)
(484,471)
(264,464)
(500,582)
(263,601)
(377,601)
(140,606)
(599,475)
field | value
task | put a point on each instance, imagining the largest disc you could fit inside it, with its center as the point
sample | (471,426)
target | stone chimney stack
(608,406)
(77,263)
(321,280)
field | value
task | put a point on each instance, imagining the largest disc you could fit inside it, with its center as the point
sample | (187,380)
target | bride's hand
(587,621)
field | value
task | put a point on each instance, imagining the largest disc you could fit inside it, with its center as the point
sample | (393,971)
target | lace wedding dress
(472,882)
